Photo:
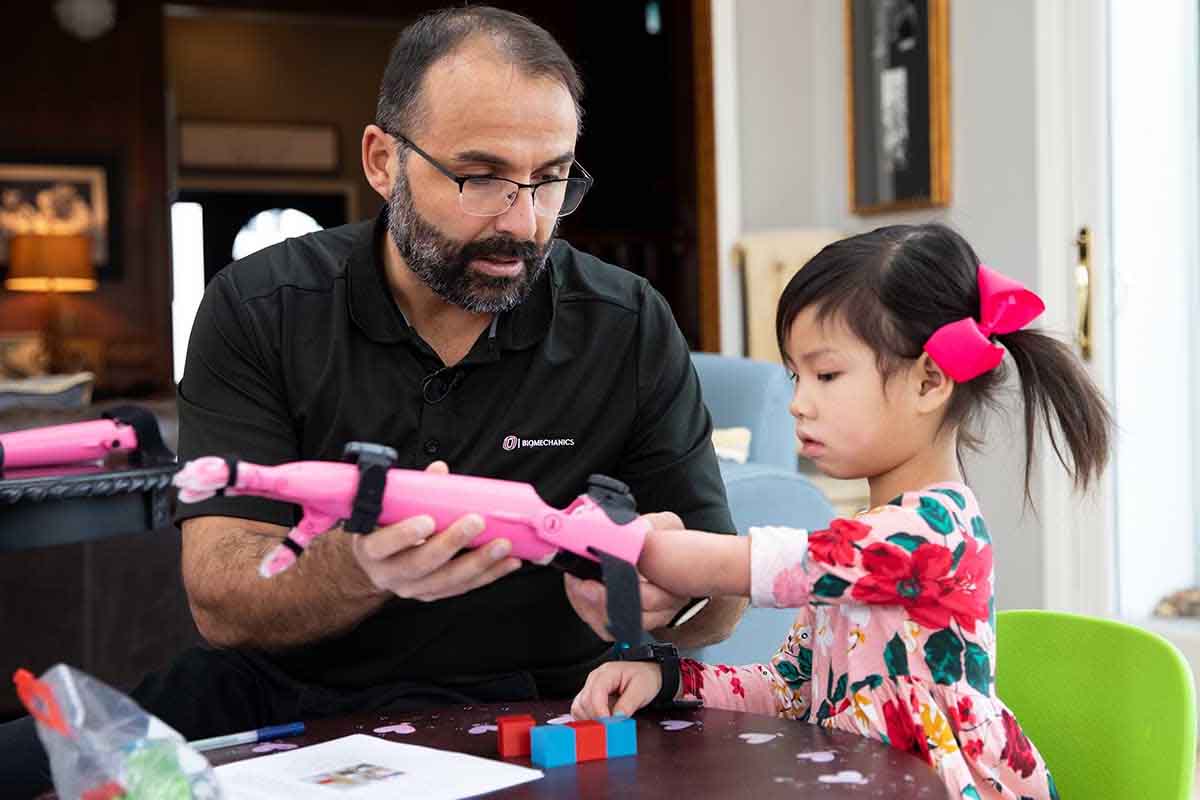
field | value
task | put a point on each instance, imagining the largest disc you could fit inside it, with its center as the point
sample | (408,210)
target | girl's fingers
(629,703)
(593,699)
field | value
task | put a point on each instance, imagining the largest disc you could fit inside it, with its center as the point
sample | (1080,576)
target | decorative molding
(258,147)
(104,484)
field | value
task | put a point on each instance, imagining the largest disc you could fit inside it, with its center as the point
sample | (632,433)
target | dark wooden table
(707,759)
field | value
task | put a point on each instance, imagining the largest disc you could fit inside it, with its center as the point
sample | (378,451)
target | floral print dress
(895,640)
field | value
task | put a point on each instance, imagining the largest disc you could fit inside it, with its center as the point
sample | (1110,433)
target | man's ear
(378,160)
(933,386)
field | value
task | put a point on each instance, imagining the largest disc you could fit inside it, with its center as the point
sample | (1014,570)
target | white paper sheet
(361,767)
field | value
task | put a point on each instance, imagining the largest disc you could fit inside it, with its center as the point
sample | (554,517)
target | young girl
(891,338)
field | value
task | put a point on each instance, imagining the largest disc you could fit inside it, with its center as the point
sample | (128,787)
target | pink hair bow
(963,348)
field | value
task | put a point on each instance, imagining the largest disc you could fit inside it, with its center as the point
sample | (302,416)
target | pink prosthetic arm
(577,538)
(126,429)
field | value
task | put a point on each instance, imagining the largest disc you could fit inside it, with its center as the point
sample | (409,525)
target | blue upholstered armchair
(766,490)
(741,393)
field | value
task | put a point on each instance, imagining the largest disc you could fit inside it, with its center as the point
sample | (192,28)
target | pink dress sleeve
(781,687)
(778,688)
(914,555)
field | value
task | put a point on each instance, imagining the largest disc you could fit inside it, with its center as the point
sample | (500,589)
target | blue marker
(249,737)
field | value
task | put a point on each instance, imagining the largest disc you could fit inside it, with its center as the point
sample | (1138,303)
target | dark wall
(107,99)
(65,98)
(265,70)
(639,143)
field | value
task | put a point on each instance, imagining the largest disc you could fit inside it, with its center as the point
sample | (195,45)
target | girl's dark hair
(895,286)
(527,45)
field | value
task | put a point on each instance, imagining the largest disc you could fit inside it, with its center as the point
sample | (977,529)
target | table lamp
(51,264)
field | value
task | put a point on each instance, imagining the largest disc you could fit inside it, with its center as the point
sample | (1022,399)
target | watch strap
(669,664)
(667,657)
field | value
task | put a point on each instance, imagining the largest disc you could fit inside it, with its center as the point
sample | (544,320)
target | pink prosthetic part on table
(127,429)
(66,444)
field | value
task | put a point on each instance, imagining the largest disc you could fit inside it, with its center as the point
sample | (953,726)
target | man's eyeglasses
(488,196)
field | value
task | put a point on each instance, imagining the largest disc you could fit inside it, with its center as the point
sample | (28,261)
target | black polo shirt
(300,348)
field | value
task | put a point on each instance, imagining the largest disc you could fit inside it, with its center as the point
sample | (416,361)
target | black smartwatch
(667,657)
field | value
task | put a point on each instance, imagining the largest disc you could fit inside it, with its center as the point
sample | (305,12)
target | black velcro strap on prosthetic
(293,546)
(151,449)
(373,465)
(624,600)
(231,466)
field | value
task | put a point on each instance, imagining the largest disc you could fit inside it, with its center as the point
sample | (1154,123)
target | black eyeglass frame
(585,178)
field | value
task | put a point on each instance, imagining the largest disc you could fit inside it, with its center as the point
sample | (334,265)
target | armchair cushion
(740,392)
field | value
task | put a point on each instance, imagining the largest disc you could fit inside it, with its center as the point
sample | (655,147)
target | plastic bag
(102,745)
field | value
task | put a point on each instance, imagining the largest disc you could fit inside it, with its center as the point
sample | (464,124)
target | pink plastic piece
(325,490)
(66,444)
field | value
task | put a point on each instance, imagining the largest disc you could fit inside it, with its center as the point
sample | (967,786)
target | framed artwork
(898,75)
(60,197)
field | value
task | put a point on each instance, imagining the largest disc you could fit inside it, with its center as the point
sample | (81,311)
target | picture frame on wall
(898,106)
(61,196)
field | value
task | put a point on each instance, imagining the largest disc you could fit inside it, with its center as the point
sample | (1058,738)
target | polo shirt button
(432,446)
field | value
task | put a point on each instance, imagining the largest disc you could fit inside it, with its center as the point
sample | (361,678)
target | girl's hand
(634,683)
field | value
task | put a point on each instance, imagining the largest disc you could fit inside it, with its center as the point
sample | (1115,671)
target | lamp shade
(38,263)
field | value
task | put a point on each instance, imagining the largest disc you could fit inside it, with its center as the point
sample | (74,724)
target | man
(455,329)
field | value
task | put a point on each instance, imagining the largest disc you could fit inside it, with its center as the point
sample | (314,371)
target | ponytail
(1056,388)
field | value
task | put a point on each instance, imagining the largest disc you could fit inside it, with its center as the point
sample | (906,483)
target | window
(187,275)
(1155,185)
(271,227)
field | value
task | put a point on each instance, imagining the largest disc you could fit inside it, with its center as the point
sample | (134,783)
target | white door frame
(1073,190)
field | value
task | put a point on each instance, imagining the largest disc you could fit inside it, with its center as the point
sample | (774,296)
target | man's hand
(634,683)
(590,601)
(412,560)
(590,598)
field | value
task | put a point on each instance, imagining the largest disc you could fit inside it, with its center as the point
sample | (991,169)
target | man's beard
(445,265)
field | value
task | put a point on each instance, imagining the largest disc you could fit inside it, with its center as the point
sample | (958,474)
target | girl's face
(848,426)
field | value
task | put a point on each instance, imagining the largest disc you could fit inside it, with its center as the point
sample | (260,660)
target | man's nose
(519,221)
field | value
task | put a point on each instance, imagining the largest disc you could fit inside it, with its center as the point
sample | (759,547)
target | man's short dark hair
(527,45)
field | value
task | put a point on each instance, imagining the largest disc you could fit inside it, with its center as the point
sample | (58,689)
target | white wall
(791,151)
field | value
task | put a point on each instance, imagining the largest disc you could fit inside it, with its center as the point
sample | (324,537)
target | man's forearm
(324,594)
(714,623)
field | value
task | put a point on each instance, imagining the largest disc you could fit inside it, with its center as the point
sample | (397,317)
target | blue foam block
(620,736)
(552,745)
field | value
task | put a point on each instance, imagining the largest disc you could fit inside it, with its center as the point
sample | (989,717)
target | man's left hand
(590,601)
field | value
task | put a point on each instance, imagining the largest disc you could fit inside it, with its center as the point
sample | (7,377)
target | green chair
(1111,707)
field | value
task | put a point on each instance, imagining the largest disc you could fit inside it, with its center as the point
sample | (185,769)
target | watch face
(690,611)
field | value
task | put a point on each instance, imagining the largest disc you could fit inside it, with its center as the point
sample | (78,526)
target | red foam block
(512,731)
(590,742)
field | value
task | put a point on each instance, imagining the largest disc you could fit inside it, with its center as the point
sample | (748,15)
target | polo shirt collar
(375,311)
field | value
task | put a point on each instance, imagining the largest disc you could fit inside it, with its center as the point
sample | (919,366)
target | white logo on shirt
(516,442)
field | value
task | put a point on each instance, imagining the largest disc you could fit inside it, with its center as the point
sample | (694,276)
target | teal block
(552,745)
(620,736)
